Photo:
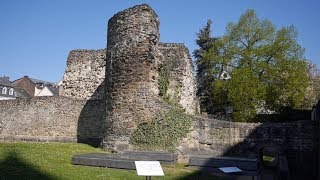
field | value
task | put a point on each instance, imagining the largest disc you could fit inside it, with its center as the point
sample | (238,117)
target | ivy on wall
(164,132)
(167,128)
(163,81)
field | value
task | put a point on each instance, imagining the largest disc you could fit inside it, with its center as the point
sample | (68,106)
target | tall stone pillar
(132,87)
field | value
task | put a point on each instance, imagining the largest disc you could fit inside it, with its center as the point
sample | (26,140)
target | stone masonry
(53,119)
(109,92)
(132,57)
(218,138)
(126,74)
(69,120)
(130,35)
(85,74)
(182,83)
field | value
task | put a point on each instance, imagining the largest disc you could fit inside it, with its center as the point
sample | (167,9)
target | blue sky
(37,35)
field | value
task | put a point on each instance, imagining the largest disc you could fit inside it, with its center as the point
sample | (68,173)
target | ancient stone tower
(131,66)
(132,57)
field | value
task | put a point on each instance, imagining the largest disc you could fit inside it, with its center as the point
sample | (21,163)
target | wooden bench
(209,164)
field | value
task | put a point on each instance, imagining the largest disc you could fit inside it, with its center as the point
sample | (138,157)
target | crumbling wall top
(177,48)
(134,10)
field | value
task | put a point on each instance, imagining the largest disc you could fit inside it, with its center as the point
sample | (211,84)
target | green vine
(163,81)
(164,133)
(168,128)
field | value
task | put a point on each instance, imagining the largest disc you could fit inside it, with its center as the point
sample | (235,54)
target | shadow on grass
(14,167)
(201,176)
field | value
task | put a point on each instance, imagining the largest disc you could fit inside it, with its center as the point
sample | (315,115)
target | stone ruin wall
(131,88)
(57,119)
(217,137)
(61,119)
(40,119)
(68,120)
(85,73)
(84,77)
(130,65)
(132,84)
(297,140)
(181,77)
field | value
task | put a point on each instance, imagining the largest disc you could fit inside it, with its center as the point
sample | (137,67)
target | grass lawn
(33,160)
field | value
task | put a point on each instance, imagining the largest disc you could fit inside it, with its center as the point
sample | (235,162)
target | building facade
(6,89)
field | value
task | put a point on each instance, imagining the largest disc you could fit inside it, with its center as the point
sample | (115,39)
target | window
(4,90)
(11,91)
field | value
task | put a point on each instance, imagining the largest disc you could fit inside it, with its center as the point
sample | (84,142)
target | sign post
(149,168)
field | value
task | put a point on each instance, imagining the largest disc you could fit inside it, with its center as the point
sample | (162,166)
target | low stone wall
(51,119)
(65,119)
(296,140)
(68,120)
(217,138)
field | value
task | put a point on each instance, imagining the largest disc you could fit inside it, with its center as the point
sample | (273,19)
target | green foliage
(220,94)
(204,71)
(23,160)
(268,67)
(164,71)
(268,159)
(163,133)
(312,94)
(163,81)
(246,94)
(288,85)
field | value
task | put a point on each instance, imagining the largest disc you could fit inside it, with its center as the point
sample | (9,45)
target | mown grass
(33,160)
(268,159)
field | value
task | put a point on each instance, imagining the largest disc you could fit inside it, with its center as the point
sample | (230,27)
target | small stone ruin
(125,74)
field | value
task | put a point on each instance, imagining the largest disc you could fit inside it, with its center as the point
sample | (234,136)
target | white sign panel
(230,169)
(149,168)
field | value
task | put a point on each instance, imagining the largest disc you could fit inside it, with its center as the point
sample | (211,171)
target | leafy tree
(312,94)
(246,94)
(268,67)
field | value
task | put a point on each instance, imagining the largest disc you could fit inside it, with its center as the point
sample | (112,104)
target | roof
(55,91)
(4,81)
(37,81)
(20,93)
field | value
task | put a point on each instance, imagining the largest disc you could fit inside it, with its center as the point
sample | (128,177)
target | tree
(204,74)
(268,67)
(246,94)
(312,94)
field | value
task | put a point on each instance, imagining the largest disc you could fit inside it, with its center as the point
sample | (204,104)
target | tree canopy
(267,68)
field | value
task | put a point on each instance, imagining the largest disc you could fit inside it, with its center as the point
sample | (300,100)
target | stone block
(152,156)
(103,160)
(251,164)
(122,161)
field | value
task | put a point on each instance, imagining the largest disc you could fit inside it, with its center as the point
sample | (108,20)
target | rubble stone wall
(182,84)
(65,119)
(132,56)
(85,74)
(217,138)
(125,75)
(51,119)
(297,141)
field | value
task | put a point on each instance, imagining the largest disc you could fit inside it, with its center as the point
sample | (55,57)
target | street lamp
(228,109)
